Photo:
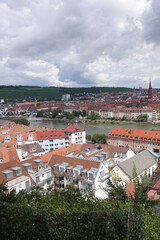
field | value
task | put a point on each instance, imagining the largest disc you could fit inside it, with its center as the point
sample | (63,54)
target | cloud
(79,43)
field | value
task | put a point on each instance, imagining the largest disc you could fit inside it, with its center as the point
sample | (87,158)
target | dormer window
(76,173)
(17,170)
(77,170)
(69,170)
(30,137)
(27,166)
(61,169)
(8,174)
(84,173)
(39,162)
(20,138)
(55,167)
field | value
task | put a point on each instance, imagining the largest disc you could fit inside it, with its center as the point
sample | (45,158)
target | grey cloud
(70,36)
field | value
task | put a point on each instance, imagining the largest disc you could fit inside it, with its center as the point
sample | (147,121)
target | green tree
(94,116)
(84,113)
(124,118)
(88,137)
(142,118)
(99,138)
(39,114)
(20,120)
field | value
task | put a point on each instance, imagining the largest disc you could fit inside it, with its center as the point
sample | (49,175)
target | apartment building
(75,134)
(85,175)
(24,175)
(51,140)
(134,139)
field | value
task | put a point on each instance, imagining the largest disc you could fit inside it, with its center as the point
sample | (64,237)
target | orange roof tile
(135,134)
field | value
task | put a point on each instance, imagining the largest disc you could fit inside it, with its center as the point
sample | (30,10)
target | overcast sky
(80,43)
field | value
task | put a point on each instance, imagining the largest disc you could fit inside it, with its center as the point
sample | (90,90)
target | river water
(92,128)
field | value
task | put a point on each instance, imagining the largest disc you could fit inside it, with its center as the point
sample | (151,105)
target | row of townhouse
(86,174)
(134,138)
(24,175)
(130,113)
(48,139)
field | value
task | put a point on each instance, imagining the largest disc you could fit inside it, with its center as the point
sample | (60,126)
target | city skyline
(80,44)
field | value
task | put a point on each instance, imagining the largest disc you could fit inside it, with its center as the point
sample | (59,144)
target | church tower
(150,95)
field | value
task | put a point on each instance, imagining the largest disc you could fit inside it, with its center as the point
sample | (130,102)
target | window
(61,169)
(27,184)
(91,176)
(51,140)
(8,174)
(37,179)
(76,173)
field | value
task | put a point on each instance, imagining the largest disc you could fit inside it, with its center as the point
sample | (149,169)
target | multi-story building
(51,140)
(145,162)
(23,175)
(85,175)
(134,139)
(75,134)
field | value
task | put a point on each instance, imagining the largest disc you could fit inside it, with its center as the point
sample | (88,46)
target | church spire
(150,90)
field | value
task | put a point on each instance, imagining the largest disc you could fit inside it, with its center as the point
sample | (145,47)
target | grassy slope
(19,92)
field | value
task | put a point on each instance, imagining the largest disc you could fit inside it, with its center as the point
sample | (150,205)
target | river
(92,128)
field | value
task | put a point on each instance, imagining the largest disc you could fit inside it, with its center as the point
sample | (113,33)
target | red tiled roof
(87,164)
(130,189)
(73,129)
(134,134)
(55,134)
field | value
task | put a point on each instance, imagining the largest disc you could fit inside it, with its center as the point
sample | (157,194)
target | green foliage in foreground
(22,120)
(69,215)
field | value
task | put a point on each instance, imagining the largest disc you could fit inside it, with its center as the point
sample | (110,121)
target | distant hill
(50,93)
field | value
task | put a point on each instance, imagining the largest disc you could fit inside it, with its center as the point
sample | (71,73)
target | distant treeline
(50,93)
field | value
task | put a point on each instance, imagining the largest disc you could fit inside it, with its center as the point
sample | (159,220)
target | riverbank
(78,120)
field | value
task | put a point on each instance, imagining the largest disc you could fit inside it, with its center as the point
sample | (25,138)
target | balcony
(103,178)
